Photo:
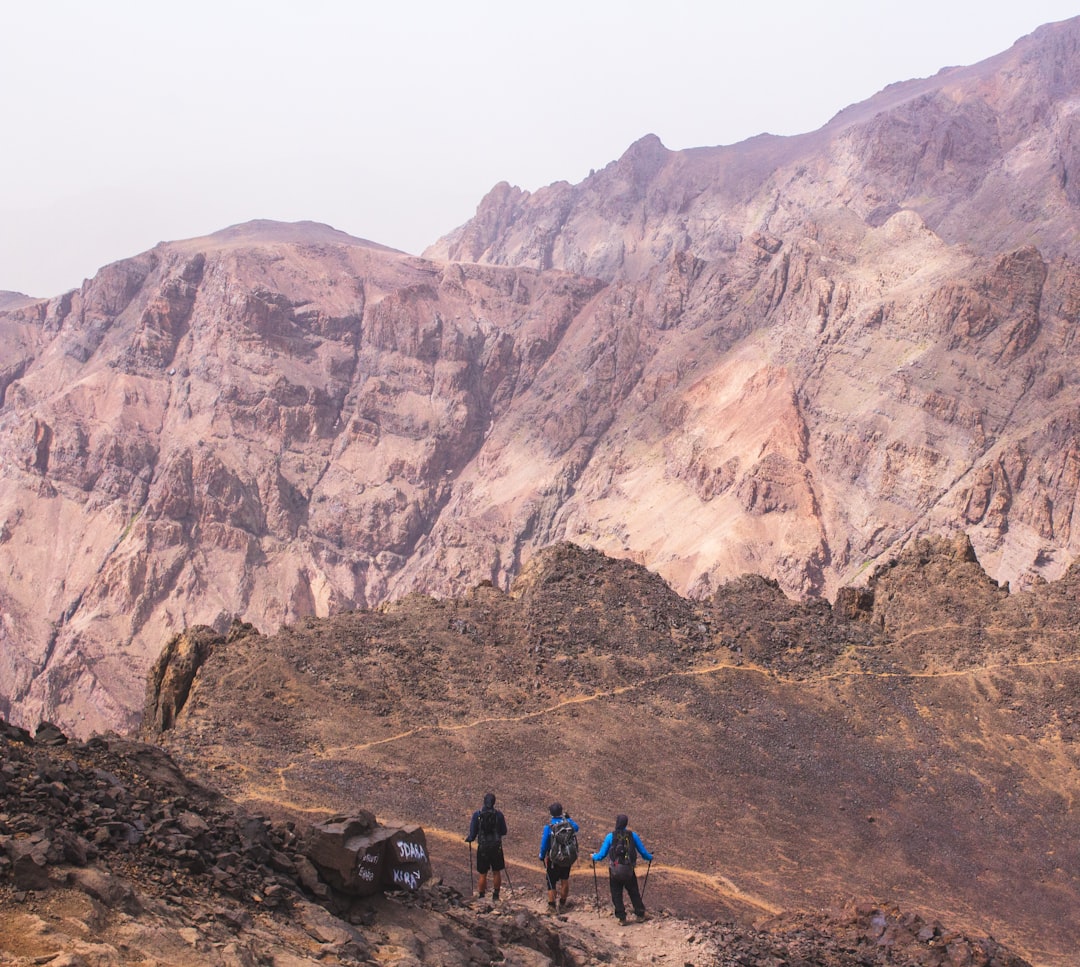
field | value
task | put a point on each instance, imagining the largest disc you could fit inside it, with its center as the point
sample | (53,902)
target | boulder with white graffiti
(406,863)
(356,855)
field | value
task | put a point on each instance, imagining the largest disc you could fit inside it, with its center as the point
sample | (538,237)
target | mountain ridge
(278,421)
(915,143)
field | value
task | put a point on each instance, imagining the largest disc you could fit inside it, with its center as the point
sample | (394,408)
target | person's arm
(474,827)
(544,840)
(572,823)
(603,851)
(502,824)
(646,855)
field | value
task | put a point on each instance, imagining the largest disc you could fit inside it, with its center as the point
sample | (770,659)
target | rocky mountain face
(913,747)
(827,344)
(266,422)
(786,357)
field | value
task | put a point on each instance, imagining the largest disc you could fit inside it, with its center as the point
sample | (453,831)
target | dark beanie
(621,821)
(489,799)
(555,808)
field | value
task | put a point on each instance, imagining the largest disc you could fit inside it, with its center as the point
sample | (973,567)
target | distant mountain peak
(263,231)
(15,300)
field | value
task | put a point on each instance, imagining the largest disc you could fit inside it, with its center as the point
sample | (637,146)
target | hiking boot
(622,920)
(641,917)
(494,894)
(480,895)
(562,905)
(551,906)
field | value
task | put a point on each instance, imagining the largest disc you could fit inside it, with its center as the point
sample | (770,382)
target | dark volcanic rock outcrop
(919,746)
(360,858)
(862,934)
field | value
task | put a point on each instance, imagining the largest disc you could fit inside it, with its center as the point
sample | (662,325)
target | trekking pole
(646,883)
(509,882)
(596,888)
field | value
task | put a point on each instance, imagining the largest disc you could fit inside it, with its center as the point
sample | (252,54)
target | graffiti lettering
(370,858)
(407,878)
(413,852)
(366,875)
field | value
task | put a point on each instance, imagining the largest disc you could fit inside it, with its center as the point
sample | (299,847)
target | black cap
(555,809)
(621,820)
(489,799)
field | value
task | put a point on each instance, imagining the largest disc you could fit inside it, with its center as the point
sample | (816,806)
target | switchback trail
(738,667)
(283,792)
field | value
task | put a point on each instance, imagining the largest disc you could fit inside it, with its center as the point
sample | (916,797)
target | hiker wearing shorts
(488,827)
(557,861)
(622,847)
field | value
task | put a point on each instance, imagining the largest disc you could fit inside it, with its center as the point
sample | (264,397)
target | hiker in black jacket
(488,827)
(622,847)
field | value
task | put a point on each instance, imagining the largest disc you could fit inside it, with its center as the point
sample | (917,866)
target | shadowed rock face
(787,357)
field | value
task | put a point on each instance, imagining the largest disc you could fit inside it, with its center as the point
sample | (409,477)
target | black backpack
(488,834)
(622,856)
(563,850)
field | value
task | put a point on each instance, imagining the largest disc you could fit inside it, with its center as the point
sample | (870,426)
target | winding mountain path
(739,667)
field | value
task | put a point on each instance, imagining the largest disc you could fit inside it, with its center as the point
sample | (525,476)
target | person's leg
(564,890)
(635,896)
(483,864)
(616,889)
(498,864)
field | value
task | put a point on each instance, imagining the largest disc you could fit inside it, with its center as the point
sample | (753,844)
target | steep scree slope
(110,856)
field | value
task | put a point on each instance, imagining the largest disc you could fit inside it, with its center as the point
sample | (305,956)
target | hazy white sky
(127,122)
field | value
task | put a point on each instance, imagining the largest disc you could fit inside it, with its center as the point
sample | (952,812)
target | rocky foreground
(109,855)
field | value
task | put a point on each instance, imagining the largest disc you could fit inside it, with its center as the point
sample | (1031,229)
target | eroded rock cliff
(786,357)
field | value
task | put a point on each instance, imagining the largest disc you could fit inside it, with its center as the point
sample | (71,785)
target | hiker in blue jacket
(558,856)
(623,846)
(488,827)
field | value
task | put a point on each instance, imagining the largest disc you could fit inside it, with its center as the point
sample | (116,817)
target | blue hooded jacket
(545,839)
(620,824)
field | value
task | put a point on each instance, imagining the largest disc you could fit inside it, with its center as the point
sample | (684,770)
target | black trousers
(632,891)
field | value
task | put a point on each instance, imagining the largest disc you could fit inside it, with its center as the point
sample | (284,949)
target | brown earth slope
(110,856)
(915,744)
